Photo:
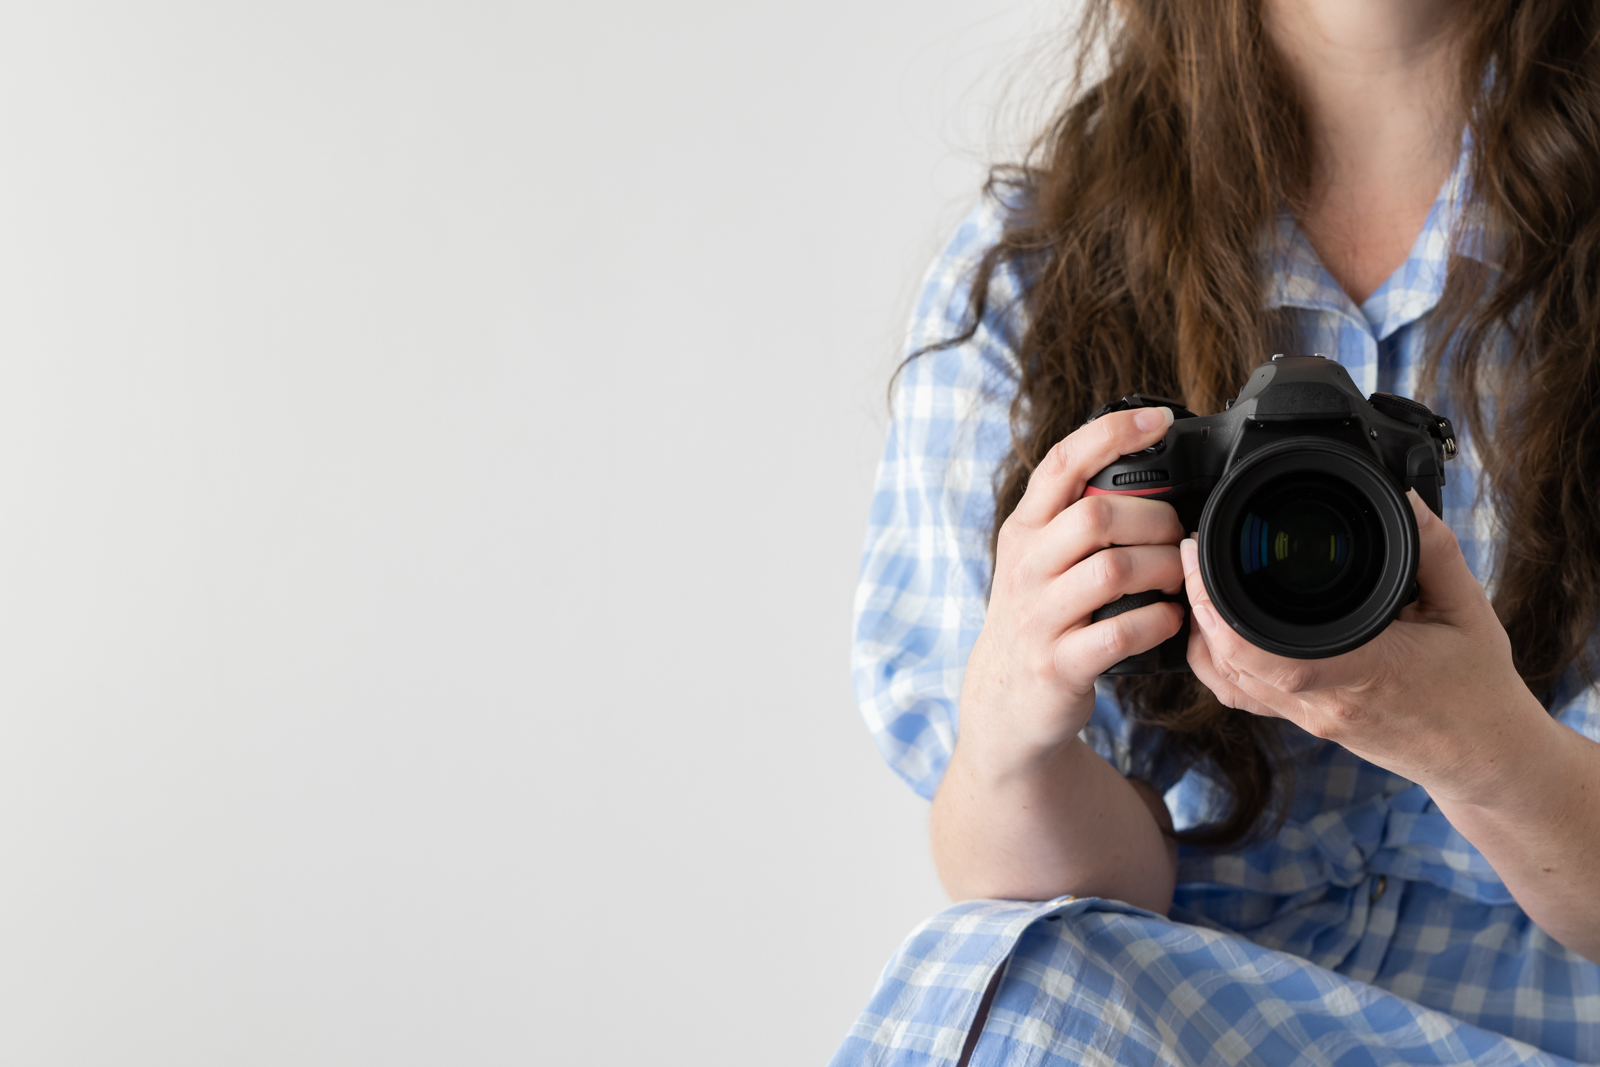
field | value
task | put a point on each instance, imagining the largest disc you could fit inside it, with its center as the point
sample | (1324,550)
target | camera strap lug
(1409,411)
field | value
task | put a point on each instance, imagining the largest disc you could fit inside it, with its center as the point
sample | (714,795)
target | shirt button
(1377,889)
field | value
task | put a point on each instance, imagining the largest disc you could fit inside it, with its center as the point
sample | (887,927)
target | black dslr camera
(1307,544)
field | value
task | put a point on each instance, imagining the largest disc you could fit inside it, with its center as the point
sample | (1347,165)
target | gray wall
(435,440)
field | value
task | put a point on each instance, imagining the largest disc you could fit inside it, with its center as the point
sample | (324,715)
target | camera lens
(1307,547)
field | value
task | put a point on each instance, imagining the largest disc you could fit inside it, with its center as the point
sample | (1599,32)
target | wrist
(1506,768)
(1014,727)
(1003,764)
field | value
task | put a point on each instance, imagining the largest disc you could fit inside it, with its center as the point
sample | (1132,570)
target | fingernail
(1189,553)
(1424,512)
(1207,617)
(1150,419)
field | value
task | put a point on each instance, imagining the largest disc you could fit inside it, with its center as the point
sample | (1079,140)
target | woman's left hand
(1434,698)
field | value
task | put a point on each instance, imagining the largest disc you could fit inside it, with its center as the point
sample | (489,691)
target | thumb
(1445,581)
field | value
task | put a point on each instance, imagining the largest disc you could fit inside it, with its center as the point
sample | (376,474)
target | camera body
(1308,547)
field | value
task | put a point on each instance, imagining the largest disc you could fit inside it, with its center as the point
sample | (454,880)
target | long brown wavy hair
(1146,197)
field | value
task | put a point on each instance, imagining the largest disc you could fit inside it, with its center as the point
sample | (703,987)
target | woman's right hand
(1059,557)
(1026,811)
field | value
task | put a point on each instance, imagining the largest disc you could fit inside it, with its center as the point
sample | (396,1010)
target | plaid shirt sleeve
(925,570)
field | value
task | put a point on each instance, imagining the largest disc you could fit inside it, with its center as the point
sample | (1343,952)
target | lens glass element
(1310,547)
(1305,547)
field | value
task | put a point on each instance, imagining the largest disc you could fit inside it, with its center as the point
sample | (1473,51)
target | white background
(435,443)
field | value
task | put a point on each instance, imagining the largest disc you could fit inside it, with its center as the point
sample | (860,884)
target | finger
(1193,585)
(1445,583)
(1096,522)
(1259,698)
(1236,656)
(1084,654)
(1060,477)
(1235,688)
(1109,574)
(1213,678)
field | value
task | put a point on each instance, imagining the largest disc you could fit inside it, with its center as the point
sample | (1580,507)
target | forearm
(1541,832)
(1026,810)
(1065,822)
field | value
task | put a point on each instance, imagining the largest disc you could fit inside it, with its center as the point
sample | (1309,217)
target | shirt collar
(1454,226)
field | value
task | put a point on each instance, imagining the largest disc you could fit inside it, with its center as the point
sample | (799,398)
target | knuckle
(1111,569)
(1337,720)
(1058,459)
(1008,540)
(1226,693)
(1293,678)
(1055,662)
(1092,516)
(1114,637)
(1346,712)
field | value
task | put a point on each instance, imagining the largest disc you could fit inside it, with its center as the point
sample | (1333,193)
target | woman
(1387,856)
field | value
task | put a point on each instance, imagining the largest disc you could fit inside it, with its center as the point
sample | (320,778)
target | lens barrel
(1308,548)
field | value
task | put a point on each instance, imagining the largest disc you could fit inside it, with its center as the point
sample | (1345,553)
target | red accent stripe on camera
(1095,490)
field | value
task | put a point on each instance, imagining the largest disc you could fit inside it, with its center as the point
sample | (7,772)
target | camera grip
(1169,656)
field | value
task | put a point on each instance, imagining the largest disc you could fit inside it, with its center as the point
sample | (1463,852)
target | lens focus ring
(1308,547)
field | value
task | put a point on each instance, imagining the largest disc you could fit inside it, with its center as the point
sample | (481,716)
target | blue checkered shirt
(1366,931)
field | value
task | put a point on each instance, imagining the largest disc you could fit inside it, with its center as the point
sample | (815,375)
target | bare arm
(1026,809)
(1540,829)
(1068,824)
